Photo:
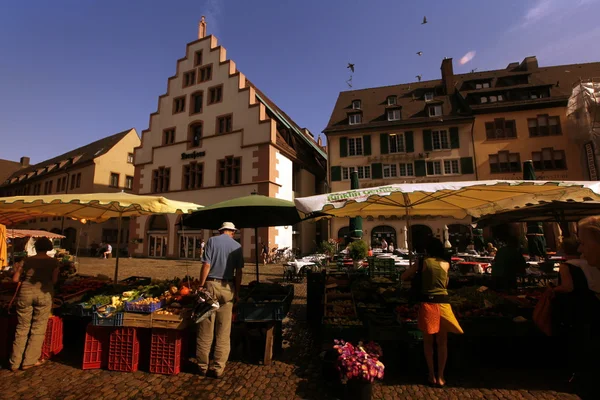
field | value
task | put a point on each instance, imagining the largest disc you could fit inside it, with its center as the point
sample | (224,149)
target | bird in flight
(351,67)
(419,77)
(424,21)
(419,53)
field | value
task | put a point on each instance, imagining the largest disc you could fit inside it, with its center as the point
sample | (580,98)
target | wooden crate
(137,320)
(180,321)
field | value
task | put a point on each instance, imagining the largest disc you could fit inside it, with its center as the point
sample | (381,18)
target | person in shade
(436,318)
(38,275)
(221,275)
(508,264)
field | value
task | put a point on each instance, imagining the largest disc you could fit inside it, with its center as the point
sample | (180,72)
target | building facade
(216,136)
(103,166)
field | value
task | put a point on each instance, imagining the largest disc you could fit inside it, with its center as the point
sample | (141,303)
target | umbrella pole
(119,223)
(256,251)
(408,228)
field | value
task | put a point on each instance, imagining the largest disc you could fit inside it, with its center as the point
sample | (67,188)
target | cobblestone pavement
(296,374)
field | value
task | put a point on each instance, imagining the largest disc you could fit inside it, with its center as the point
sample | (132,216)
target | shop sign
(193,155)
(591,161)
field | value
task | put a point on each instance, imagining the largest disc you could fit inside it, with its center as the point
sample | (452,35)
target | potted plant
(327,248)
(359,366)
(358,251)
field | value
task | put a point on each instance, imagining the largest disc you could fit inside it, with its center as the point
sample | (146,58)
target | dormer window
(428,96)
(483,100)
(435,111)
(392,100)
(354,119)
(356,104)
(393,115)
(493,99)
(482,85)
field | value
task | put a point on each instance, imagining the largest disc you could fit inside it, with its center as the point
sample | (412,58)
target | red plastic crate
(124,350)
(165,351)
(95,349)
(8,328)
(53,342)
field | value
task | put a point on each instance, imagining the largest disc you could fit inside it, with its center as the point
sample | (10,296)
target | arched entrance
(158,231)
(460,236)
(420,234)
(383,232)
(344,234)
(70,240)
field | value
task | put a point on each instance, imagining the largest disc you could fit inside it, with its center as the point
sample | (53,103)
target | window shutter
(384,142)
(367,145)
(466,165)
(376,171)
(454,139)
(420,168)
(336,174)
(343,146)
(409,142)
(427,140)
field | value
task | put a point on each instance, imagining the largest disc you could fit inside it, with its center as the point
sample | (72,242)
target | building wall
(307,230)
(524,145)
(283,236)
(115,161)
(465,150)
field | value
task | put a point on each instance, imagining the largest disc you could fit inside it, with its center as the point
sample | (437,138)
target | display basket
(111,319)
(137,320)
(178,322)
(134,307)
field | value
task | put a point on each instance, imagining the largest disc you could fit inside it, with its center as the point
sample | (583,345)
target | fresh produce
(360,362)
(381,279)
(342,321)
(405,313)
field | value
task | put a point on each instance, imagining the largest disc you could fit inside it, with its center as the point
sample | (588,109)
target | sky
(74,71)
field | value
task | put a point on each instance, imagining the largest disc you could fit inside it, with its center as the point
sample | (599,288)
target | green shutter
(409,142)
(427,140)
(384,140)
(420,169)
(343,146)
(336,174)
(454,138)
(367,145)
(466,165)
(376,171)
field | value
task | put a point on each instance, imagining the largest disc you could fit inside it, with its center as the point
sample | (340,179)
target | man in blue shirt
(221,275)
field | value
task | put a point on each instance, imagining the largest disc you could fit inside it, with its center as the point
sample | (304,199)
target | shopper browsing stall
(221,274)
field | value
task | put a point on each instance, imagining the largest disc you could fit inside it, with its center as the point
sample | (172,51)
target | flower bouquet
(360,362)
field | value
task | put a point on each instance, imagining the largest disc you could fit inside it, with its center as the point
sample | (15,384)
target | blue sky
(74,71)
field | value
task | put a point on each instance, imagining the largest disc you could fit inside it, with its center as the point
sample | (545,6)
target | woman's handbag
(542,314)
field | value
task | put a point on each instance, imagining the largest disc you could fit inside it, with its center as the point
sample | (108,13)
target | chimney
(24,162)
(320,141)
(448,75)
(202,28)
(529,63)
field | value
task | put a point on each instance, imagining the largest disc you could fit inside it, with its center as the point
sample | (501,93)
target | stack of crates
(382,267)
(124,350)
(95,349)
(166,346)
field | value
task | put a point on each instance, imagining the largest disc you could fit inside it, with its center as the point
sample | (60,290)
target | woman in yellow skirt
(436,318)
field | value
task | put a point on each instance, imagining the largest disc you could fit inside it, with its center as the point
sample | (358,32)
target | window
(478,86)
(544,125)
(196,100)
(168,136)
(393,115)
(195,134)
(483,100)
(192,176)
(486,85)
(63,184)
(161,178)
(189,78)
(439,140)
(501,129)
(428,96)
(114,180)
(390,170)
(354,119)
(128,182)
(397,143)
(407,169)
(435,111)
(130,157)
(215,94)
(451,167)
(198,58)
(72,182)
(178,105)
(48,187)
(224,124)
(229,171)
(392,100)
(549,159)
(356,104)
(205,73)
(37,188)
(493,99)
(482,85)
(364,172)
(434,168)
(500,98)
(505,162)
(78,181)
(355,146)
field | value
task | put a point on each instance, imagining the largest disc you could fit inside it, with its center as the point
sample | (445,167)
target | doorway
(383,232)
